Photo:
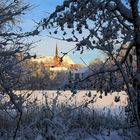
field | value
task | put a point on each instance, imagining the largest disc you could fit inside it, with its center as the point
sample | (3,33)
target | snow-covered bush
(14,50)
(58,121)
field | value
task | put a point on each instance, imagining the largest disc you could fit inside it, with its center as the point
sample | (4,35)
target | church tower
(56,51)
(56,58)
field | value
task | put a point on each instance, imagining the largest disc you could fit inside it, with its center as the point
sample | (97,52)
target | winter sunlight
(70,69)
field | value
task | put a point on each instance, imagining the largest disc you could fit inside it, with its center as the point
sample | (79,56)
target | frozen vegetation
(59,115)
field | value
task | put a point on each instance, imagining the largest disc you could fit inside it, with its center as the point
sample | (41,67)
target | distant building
(78,74)
(56,63)
(65,64)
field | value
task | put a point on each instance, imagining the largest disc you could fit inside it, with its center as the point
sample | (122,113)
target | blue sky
(47,45)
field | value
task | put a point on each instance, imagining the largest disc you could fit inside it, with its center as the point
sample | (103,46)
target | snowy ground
(105,104)
(80,97)
(67,116)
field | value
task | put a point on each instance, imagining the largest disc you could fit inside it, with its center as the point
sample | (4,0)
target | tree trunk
(136,23)
(138,79)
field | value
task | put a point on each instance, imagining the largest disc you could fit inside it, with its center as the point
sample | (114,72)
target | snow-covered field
(63,115)
(81,96)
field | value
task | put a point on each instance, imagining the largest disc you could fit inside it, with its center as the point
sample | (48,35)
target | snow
(80,70)
(112,136)
(46,59)
(80,97)
(59,118)
(39,137)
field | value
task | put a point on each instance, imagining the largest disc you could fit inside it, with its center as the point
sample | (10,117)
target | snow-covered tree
(14,49)
(112,26)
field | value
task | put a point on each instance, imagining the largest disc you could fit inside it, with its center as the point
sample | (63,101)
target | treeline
(39,77)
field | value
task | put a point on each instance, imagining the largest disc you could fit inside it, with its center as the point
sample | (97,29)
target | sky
(46,45)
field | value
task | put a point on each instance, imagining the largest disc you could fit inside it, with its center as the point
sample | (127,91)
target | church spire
(56,51)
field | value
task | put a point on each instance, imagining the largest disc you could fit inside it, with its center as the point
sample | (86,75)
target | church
(58,63)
